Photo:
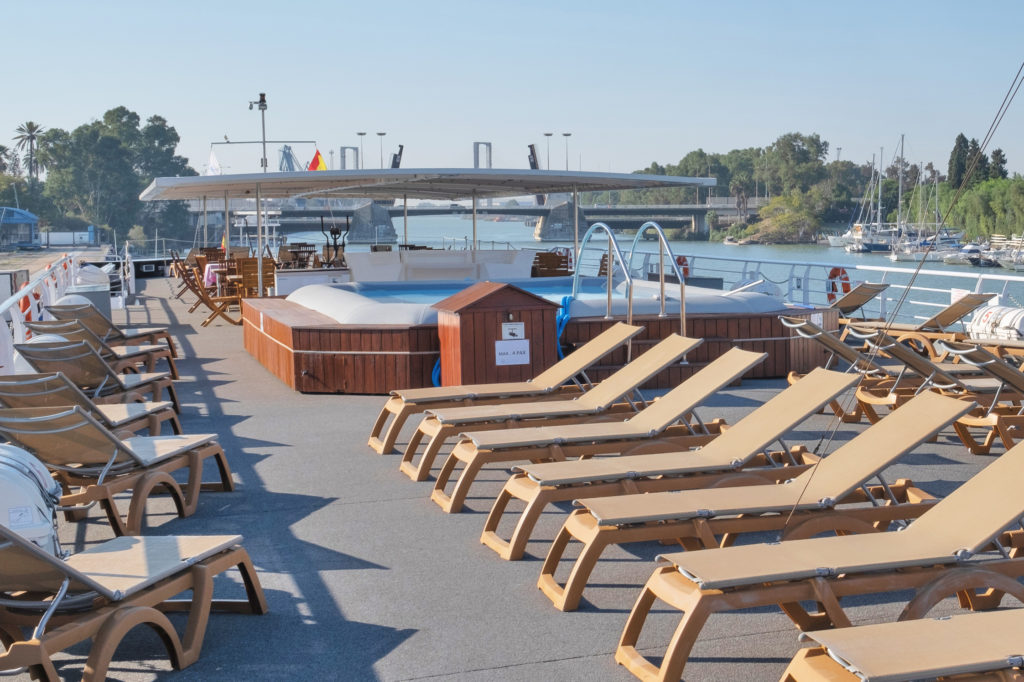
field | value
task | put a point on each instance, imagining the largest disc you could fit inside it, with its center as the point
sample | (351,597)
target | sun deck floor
(367,579)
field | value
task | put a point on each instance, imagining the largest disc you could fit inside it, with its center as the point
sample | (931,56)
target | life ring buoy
(25,306)
(838,281)
(684,266)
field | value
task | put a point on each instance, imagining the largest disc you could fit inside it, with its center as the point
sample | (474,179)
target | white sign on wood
(512,352)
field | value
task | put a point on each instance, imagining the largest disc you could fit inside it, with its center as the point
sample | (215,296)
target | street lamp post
(548,136)
(359,165)
(566,135)
(380,136)
(261,103)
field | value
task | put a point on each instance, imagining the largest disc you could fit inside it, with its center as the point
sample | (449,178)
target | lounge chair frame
(93,465)
(745,459)
(439,425)
(961,546)
(539,444)
(802,507)
(119,358)
(101,326)
(153,571)
(936,326)
(558,381)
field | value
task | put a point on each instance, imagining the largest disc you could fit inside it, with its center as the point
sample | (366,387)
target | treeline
(94,174)
(802,191)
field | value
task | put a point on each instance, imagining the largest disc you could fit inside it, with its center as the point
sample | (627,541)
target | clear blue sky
(634,82)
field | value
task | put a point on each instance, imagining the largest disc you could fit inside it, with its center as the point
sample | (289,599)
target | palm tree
(27,135)
(4,152)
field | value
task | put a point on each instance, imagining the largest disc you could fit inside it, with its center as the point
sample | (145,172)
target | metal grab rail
(663,248)
(613,252)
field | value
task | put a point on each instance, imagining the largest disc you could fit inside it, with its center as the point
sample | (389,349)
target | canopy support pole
(576,229)
(405,219)
(227,225)
(259,242)
(474,221)
(206,232)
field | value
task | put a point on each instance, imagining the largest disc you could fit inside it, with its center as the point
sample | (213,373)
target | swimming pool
(405,303)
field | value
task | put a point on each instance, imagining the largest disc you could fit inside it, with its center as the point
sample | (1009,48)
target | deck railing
(29,303)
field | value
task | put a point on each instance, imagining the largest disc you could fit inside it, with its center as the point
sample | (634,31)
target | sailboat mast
(899,189)
(881,157)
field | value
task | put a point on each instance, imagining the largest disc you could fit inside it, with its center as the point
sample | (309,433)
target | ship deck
(367,579)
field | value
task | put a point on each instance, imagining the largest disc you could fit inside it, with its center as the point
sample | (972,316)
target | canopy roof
(16,216)
(416,183)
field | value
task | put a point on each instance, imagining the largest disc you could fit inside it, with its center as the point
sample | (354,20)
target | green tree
(27,134)
(958,160)
(997,167)
(979,161)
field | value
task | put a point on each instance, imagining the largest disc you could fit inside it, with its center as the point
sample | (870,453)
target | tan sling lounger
(1002,420)
(965,647)
(87,370)
(102,327)
(118,357)
(828,496)
(438,425)
(949,550)
(103,605)
(55,390)
(95,465)
(729,456)
(554,382)
(857,297)
(936,325)
(543,443)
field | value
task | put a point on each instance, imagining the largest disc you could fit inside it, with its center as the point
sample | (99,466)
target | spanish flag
(224,241)
(318,162)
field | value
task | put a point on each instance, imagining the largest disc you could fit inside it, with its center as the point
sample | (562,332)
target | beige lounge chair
(966,648)
(107,590)
(441,424)
(87,370)
(1003,420)
(118,357)
(555,443)
(55,390)
(102,327)
(95,465)
(957,547)
(554,382)
(857,297)
(936,326)
(739,454)
(217,304)
(830,495)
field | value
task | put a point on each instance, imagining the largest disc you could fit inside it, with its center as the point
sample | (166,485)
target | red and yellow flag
(318,162)
(224,241)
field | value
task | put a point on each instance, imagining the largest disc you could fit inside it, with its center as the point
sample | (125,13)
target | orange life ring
(838,281)
(684,266)
(25,306)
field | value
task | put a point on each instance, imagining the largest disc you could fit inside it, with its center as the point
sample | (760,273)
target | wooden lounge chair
(966,647)
(875,369)
(855,300)
(102,327)
(217,305)
(83,597)
(441,424)
(118,357)
(555,443)
(555,382)
(936,326)
(985,390)
(95,465)
(87,370)
(55,390)
(830,495)
(957,547)
(1003,420)
(738,455)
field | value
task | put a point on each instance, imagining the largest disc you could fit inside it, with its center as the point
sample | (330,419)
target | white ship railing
(29,303)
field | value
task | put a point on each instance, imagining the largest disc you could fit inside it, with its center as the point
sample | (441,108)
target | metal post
(548,136)
(227,224)
(566,135)
(575,228)
(405,218)
(259,243)
(206,225)
(474,220)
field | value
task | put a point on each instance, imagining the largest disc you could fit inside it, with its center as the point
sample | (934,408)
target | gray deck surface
(367,579)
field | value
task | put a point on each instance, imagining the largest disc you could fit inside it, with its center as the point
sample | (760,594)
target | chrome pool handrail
(663,247)
(614,253)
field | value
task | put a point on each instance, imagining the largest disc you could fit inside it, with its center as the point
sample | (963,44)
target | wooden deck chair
(936,326)
(738,455)
(985,390)
(441,424)
(859,296)
(830,495)
(957,547)
(875,369)
(87,370)
(965,648)
(555,443)
(94,465)
(105,591)
(555,382)
(1003,420)
(217,305)
(118,357)
(101,326)
(56,390)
